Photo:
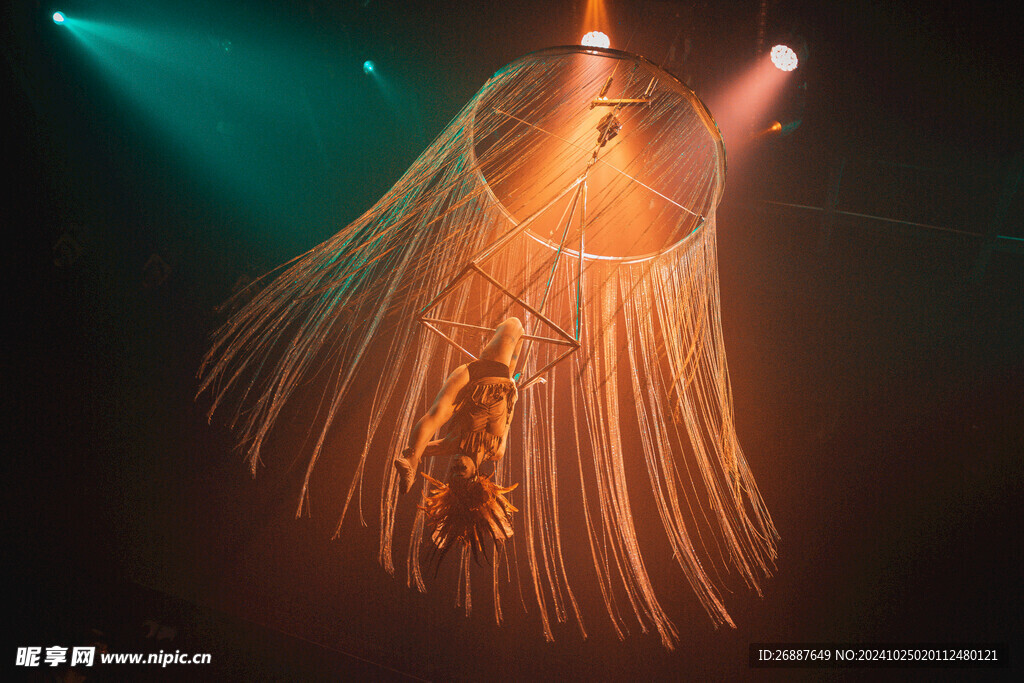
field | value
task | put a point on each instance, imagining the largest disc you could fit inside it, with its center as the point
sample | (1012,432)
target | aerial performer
(550,263)
(476,403)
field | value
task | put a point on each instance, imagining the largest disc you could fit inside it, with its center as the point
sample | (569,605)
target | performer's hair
(465,512)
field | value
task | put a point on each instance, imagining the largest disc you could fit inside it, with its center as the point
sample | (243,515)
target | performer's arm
(439,413)
(508,421)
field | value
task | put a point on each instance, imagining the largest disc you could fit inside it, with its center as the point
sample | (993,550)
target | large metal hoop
(669,80)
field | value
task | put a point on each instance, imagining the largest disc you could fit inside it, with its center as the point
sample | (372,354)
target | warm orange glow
(632,208)
(595,18)
(774,129)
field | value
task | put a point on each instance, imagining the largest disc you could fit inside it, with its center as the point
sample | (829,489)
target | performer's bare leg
(506,343)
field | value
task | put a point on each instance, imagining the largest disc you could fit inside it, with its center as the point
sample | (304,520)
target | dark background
(877,366)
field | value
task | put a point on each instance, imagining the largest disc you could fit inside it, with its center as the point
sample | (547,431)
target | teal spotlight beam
(235,122)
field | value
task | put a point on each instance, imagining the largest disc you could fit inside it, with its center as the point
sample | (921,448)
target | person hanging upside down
(475,407)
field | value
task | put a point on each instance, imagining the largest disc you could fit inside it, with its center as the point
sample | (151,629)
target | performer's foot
(407,471)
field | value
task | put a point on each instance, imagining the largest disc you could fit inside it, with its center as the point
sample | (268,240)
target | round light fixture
(784,58)
(596,39)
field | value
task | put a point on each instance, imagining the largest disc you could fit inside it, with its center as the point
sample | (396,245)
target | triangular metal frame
(560,336)
(580,187)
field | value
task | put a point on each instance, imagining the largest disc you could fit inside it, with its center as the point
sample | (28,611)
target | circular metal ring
(664,77)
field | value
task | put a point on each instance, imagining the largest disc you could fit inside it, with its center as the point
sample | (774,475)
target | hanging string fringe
(649,383)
